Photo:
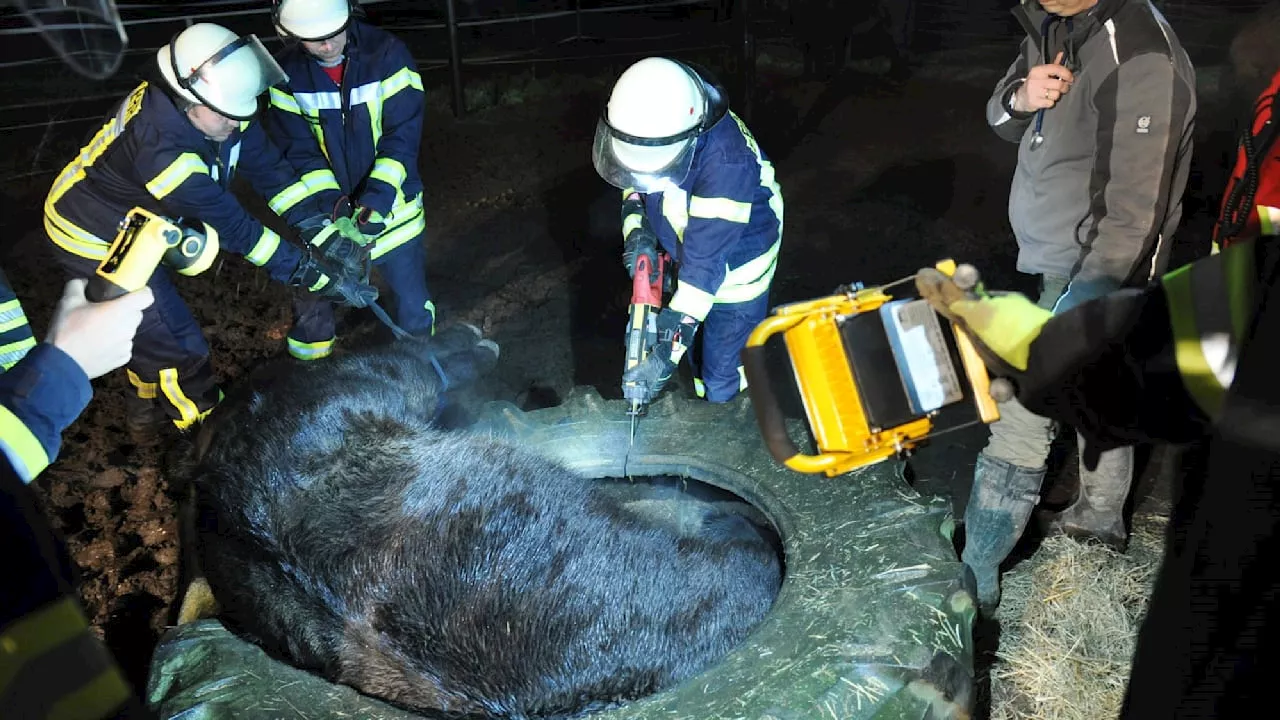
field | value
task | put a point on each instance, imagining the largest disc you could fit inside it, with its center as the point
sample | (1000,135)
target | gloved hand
(339,242)
(332,283)
(1002,326)
(675,334)
(342,209)
(641,241)
(369,223)
(97,336)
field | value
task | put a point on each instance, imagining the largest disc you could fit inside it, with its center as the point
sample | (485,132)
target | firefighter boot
(1098,512)
(145,420)
(1000,504)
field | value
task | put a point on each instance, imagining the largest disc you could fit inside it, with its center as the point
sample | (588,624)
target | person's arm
(397,149)
(39,397)
(1143,107)
(1009,124)
(720,203)
(1109,369)
(291,132)
(180,181)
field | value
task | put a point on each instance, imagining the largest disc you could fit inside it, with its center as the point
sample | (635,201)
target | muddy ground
(879,179)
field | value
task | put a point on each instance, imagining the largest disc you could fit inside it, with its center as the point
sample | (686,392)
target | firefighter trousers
(170,365)
(724,334)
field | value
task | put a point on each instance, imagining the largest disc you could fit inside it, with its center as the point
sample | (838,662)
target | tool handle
(764,401)
(100,289)
(643,290)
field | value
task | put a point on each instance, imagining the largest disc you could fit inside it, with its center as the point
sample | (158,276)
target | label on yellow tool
(920,349)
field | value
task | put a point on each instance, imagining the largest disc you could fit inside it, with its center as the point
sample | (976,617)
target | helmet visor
(231,81)
(86,34)
(643,164)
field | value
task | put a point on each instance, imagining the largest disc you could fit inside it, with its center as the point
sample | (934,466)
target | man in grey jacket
(1101,101)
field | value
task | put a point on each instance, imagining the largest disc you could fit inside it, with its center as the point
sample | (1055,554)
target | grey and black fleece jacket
(1097,199)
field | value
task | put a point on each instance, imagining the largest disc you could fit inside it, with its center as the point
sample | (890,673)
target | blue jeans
(1022,438)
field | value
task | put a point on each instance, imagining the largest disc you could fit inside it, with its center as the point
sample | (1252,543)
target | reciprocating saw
(642,326)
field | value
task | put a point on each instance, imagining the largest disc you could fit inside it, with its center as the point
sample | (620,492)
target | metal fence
(143,20)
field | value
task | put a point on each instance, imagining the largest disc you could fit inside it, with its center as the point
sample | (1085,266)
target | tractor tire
(873,619)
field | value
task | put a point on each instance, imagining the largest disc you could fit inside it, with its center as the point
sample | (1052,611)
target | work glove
(338,242)
(332,283)
(369,223)
(675,334)
(641,241)
(1002,325)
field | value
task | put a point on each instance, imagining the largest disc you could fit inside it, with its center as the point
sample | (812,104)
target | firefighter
(350,120)
(15,332)
(1190,356)
(695,183)
(172,147)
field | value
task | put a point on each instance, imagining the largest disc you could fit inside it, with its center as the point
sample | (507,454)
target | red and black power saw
(642,325)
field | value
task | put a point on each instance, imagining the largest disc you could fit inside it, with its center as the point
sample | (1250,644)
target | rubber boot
(1098,511)
(1001,502)
(146,421)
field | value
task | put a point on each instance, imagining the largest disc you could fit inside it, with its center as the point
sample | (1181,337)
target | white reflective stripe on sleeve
(692,301)
(675,208)
(389,171)
(719,209)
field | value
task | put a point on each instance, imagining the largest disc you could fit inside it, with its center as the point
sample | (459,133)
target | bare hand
(1044,86)
(98,336)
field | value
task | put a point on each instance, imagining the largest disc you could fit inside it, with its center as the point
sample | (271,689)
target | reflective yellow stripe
(13,324)
(1210,305)
(11,309)
(182,167)
(389,171)
(25,453)
(319,284)
(71,238)
(1268,219)
(106,692)
(266,246)
(675,208)
(1238,264)
(318,180)
(692,301)
(306,186)
(187,409)
(719,209)
(699,387)
(750,280)
(13,352)
(146,390)
(405,223)
(311,351)
(36,634)
(284,101)
(631,222)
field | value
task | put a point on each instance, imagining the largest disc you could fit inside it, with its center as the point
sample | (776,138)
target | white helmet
(208,64)
(313,20)
(646,137)
(87,34)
